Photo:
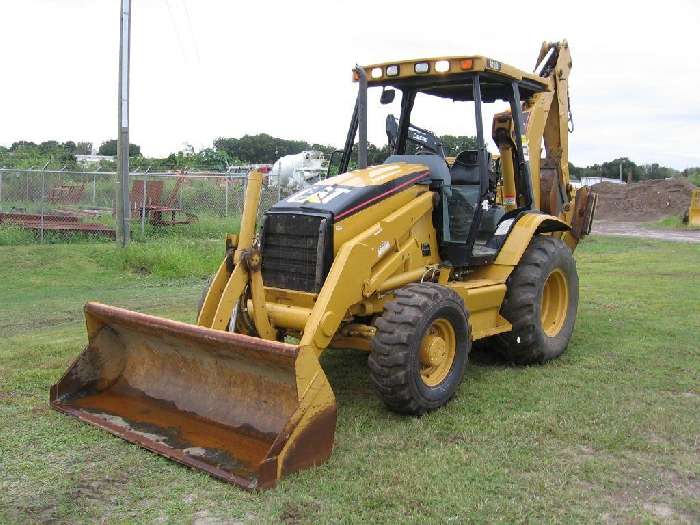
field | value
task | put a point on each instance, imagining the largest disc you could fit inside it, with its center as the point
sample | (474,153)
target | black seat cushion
(465,169)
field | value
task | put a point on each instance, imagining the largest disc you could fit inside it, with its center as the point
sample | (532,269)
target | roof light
(421,67)
(392,70)
(493,64)
(377,72)
(442,66)
(466,63)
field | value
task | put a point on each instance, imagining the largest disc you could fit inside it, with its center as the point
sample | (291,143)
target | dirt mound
(642,201)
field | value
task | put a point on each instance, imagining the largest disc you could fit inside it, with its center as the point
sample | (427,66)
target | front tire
(421,347)
(541,303)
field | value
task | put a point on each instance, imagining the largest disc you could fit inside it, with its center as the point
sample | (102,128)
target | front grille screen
(295,251)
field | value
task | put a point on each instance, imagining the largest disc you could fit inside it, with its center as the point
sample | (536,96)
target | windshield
(436,125)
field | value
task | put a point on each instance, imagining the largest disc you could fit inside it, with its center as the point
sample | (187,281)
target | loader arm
(240,268)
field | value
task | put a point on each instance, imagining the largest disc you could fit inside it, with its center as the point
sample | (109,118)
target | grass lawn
(672,222)
(608,433)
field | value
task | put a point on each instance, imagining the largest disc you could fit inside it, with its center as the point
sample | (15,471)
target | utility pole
(620,171)
(123,206)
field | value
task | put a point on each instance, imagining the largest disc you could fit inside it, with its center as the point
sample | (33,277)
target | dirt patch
(87,493)
(6,395)
(295,513)
(203,517)
(659,510)
(40,409)
(642,201)
(635,229)
(656,497)
(98,491)
(40,514)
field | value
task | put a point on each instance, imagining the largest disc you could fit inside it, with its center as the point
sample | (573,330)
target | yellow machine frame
(375,252)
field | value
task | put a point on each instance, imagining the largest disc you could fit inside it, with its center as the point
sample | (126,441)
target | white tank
(297,171)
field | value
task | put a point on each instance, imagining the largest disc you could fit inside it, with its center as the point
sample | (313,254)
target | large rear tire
(420,350)
(541,303)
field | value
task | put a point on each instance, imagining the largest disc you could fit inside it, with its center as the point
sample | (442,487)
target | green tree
(110,148)
(48,146)
(261,148)
(454,144)
(21,144)
(227,145)
(83,148)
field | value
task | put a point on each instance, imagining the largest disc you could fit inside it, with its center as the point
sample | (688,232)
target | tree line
(265,149)
(631,172)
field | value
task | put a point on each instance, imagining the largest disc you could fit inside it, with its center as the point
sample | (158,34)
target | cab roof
(452,77)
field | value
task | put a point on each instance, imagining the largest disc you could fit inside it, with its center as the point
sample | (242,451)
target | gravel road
(635,229)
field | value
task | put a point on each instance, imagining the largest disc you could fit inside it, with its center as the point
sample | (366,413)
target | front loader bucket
(243,409)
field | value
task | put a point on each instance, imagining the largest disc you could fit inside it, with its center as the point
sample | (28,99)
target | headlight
(493,64)
(376,72)
(442,66)
(392,71)
(421,67)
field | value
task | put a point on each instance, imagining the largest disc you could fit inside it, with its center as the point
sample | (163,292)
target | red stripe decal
(381,196)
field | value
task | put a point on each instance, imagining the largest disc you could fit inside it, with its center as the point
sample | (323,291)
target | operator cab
(472,224)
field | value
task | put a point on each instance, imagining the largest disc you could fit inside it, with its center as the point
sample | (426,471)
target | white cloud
(210,68)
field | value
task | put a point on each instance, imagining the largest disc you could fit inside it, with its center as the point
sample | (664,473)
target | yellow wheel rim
(555,302)
(437,352)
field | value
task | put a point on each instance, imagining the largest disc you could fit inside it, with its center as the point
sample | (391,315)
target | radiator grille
(295,251)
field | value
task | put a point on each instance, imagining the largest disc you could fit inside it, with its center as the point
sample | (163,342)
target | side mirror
(388,96)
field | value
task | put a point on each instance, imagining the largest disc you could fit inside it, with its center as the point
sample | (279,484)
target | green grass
(607,433)
(207,226)
(672,222)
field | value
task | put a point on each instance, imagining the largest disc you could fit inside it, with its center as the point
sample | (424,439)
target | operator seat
(465,172)
(465,169)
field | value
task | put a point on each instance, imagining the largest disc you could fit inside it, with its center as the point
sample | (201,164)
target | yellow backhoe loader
(411,261)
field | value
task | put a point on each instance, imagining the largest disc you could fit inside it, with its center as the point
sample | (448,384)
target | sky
(201,69)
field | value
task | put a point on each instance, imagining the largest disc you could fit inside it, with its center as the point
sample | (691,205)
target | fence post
(245,188)
(43,193)
(143,203)
(178,196)
(279,182)
(0,190)
(226,196)
(94,181)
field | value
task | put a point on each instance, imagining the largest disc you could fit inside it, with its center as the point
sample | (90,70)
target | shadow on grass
(348,373)
(484,354)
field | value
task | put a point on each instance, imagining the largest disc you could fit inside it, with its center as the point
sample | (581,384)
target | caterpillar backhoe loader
(411,261)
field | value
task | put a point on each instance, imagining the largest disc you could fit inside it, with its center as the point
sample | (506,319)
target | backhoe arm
(547,121)
(546,118)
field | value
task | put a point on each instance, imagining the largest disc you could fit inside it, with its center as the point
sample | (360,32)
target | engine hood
(348,193)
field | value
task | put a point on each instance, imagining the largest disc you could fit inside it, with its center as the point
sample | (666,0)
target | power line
(189,25)
(177,31)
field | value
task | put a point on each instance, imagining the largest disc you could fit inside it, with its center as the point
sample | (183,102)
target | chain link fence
(41,205)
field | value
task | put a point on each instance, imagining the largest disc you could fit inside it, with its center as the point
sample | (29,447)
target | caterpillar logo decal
(319,194)
(342,200)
